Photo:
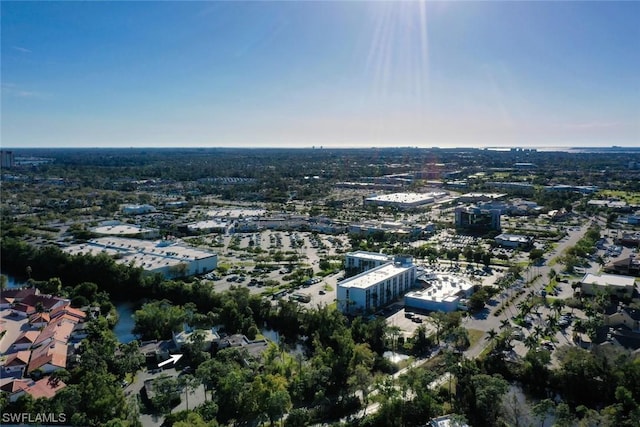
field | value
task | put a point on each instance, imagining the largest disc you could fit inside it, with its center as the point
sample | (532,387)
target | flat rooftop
(483,195)
(203,225)
(513,238)
(443,288)
(374,276)
(374,256)
(406,197)
(609,280)
(122,230)
(236,213)
(143,253)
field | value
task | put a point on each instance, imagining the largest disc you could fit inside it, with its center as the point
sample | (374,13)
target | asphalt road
(486,321)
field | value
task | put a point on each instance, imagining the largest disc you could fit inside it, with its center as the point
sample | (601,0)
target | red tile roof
(27,337)
(54,354)
(18,358)
(45,387)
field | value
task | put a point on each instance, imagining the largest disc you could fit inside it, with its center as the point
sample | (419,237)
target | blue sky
(332,74)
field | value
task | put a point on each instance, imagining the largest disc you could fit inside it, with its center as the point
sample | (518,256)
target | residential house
(55,331)
(39,320)
(25,340)
(43,388)
(624,316)
(209,336)
(48,358)
(22,310)
(45,303)
(69,313)
(17,362)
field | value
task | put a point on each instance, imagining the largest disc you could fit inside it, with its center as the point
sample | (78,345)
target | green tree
(129,359)
(158,320)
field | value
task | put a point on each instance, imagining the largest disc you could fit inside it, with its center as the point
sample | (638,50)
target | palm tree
(552,323)
(491,335)
(530,342)
(505,323)
(558,305)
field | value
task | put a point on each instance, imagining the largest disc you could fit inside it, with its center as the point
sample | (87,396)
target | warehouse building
(167,257)
(404,200)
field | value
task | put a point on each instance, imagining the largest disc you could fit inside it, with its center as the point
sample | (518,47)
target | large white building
(210,226)
(404,200)
(375,288)
(125,230)
(442,293)
(165,256)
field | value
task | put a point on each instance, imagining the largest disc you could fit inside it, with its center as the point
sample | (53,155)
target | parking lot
(243,252)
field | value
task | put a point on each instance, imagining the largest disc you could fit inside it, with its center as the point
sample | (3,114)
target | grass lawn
(631,197)
(475,335)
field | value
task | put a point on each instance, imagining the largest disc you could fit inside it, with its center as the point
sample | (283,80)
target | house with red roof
(39,320)
(45,387)
(55,331)
(25,340)
(69,313)
(22,310)
(13,296)
(48,358)
(45,302)
(17,362)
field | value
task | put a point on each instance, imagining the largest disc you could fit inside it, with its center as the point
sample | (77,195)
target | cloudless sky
(320,73)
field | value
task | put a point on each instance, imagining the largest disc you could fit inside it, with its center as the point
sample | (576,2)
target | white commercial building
(514,240)
(377,287)
(443,293)
(210,226)
(118,229)
(621,286)
(165,256)
(404,200)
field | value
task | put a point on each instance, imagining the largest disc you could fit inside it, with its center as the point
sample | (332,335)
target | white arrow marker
(173,358)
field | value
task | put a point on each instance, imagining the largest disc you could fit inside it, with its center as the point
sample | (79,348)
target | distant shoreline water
(565,149)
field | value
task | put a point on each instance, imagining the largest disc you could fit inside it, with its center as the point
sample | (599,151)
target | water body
(124,327)
(13,283)
(394,357)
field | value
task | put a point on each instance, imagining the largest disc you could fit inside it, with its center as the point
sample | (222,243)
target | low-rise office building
(137,209)
(475,219)
(514,240)
(441,293)
(621,286)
